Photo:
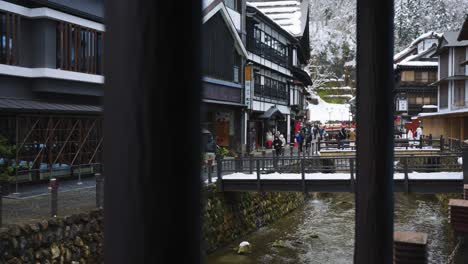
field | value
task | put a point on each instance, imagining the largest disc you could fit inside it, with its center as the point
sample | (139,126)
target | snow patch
(324,111)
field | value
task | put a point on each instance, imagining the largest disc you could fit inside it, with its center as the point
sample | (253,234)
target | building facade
(278,50)
(223,61)
(51,81)
(415,72)
(451,118)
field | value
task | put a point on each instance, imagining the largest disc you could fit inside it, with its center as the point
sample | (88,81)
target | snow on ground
(324,111)
(341,176)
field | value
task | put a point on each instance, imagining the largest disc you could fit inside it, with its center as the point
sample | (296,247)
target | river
(322,231)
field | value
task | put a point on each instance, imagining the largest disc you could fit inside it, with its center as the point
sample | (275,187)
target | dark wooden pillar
(374,189)
(152,131)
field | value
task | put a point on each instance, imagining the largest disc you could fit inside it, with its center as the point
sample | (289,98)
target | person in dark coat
(343,135)
(277,145)
(299,139)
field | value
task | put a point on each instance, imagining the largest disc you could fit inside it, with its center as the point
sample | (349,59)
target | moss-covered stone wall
(74,239)
(228,216)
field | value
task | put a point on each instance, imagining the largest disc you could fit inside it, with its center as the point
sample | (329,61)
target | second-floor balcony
(271,92)
(263,50)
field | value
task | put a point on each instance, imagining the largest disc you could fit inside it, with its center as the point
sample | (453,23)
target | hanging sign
(248,86)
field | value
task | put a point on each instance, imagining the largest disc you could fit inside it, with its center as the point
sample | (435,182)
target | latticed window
(79,49)
(9,38)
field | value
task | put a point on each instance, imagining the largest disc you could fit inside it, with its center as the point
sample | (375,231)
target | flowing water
(323,232)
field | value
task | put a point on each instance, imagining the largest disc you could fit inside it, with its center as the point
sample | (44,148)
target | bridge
(437,173)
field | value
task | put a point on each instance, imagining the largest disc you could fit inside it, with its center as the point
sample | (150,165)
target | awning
(303,112)
(33,106)
(301,75)
(272,113)
(451,78)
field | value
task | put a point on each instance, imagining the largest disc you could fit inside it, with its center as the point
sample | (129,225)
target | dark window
(443,101)
(9,38)
(220,59)
(79,49)
(267,47)
(458,99)
(271,89)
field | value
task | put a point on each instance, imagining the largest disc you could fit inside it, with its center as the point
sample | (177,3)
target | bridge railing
(442,162)
(425,142)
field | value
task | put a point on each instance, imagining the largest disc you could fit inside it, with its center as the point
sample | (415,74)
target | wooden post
(259,186)
(465,164)
(374,188)
(131,120)
(263,159)
(304,186)
(405,164)
(100,189)
(219,167)
(458,218)
(410,247)
(275,162)
(209,168)
(351,170)
(1,205)
(441,143)
(238,162)
(53,192)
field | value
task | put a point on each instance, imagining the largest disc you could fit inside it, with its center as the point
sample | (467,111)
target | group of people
(276,140)
(308,137)
(414,135)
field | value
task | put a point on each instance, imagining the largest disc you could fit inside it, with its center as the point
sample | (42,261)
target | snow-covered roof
(419,63)
(459,111)
(429,106)
(290,15)
(427,35)
(413,46)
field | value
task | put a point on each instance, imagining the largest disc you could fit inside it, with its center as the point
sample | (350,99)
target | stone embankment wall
(73,239)
(229,216)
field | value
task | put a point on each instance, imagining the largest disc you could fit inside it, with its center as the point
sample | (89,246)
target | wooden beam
(374,189)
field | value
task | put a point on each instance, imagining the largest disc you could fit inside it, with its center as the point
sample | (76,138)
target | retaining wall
(229,216)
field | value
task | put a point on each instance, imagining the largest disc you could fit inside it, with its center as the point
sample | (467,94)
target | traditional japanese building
(415,71)
(223,61)
(51,83)
(278,50)
(451,118)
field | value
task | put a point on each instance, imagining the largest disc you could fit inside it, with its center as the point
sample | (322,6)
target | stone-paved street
(32,209)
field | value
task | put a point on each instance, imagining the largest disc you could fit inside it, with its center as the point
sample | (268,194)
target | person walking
(283,140)
(342,136)
(299,139)
(277,145)
(410,137)
(322,132)
(308,142)
(418,133)
(269,139)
